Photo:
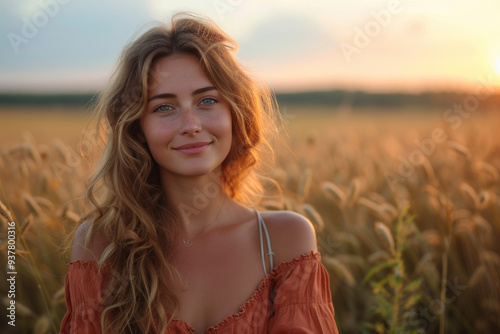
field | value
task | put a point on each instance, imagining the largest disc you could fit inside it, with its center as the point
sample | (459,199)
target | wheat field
(406,208)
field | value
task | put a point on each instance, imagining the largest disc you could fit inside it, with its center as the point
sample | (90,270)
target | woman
(172,245)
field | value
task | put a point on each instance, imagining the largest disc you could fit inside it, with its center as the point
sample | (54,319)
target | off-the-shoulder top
(293,298)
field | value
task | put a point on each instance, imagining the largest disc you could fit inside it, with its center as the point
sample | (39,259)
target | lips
(193,148)
(192,145)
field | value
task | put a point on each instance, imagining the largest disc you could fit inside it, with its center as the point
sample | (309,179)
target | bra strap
(270,250)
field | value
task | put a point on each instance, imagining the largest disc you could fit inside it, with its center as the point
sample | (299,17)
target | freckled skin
(185,116)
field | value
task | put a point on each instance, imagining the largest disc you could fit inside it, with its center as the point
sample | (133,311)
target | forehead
(176,74)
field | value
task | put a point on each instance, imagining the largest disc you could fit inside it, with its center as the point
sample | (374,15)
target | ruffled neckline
(275,272)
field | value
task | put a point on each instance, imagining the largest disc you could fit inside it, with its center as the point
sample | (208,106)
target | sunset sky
(407,45)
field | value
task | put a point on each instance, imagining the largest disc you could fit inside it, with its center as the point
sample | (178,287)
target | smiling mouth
(193,148)
(192,145)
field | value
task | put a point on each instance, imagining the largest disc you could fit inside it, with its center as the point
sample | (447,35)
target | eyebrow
(170,95)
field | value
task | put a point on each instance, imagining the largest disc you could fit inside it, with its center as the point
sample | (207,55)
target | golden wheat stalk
(464,228)
(44,152)
(385,236)
(33,153)
(424,262)
(390,210)
(379,257)
(44,202)
(435,204)
(21,309)
(340,269)
(288,204)
(431,190)
(26,224)
(59,296)
(375,209)
(459,214)
(353,192)
(62,211)
(459,148)
(61,149)
(313,216)
(491,171)
(4,212)
(43,183)
(352,259)
(477,276)
(432,237)
(32,205)
(23,169)
(430,176)
(470,195)
(376,197)
(490,257)
(273,205)
(350,240)
(335,193)
(305,183)
(484,199)
(72,216)
(42,325)
(483,224)
(18,149)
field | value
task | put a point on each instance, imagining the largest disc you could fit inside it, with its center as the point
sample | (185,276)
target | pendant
(187,243)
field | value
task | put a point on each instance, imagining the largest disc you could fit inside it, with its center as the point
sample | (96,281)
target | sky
(373,45)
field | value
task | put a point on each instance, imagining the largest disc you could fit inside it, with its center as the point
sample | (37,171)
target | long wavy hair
(126,203)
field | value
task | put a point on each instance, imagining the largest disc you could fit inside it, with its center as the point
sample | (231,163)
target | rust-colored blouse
(293,298)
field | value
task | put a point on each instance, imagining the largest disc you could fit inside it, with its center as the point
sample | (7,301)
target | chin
(197,171)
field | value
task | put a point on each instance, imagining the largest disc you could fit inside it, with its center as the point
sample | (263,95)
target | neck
(198,200)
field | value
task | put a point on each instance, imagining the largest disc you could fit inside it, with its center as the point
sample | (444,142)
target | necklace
(189,243)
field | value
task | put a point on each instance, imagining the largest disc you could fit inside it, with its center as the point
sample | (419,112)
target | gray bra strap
(270,250)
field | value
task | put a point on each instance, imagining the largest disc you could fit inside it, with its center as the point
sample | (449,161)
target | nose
(190,123)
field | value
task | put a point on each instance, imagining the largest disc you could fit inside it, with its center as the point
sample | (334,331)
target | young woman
(173,244)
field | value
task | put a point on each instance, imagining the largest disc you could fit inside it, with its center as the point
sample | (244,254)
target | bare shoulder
(291,234)
(96,246)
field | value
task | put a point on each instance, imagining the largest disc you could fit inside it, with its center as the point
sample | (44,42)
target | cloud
(73,36)
(285,39)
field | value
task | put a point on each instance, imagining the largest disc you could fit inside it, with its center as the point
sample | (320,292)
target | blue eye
(162,108)
(208,101)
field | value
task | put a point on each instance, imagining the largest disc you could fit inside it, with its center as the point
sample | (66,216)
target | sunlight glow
(498,66)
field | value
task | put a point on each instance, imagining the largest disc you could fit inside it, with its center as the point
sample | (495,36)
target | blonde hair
(126,201)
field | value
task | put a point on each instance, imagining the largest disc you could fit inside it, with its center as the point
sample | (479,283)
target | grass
(409,238)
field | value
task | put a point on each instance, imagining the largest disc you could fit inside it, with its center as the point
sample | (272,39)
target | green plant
(395,294)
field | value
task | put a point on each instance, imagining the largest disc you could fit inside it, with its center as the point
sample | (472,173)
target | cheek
(228,129)
(219,125)
(156,133)
(225,126)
